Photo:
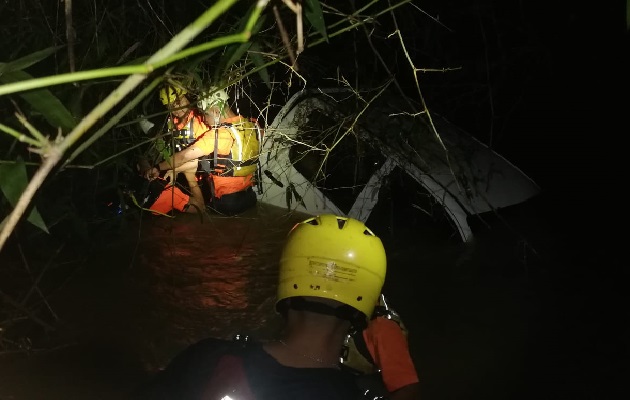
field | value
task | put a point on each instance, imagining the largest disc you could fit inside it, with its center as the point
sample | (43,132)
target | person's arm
(205,145)
(182,161)
(188,168)
(389,349)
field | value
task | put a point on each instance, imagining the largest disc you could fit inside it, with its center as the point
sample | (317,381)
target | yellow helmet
(335,258)
(169,94)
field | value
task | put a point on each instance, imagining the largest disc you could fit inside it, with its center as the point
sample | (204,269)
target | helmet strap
(344,311)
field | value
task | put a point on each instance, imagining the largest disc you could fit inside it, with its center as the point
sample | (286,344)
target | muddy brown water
(165,283)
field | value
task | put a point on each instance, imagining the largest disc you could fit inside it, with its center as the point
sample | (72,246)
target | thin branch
(300,30)
(25,311)
(33,131)
(423,102)
(285,37)
(114,120)
(358,23)
(70,34)
(36,281)
(19,136)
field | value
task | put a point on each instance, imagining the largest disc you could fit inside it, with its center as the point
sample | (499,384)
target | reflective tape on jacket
(243,157)
(237,148)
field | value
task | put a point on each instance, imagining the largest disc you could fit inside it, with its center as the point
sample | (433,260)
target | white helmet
(213,97)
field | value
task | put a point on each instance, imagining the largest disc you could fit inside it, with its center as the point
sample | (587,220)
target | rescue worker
(185,126)
(331,272)
(379,356)
(228,152)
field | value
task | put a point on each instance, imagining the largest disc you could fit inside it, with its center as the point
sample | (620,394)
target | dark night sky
(567,130)
(557,71)
(570,136)
(567,122)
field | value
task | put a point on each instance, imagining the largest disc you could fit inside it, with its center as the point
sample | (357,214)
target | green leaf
(13,182)
(315,16)
(259,62)
(43,101)
(27,61)
(237,53)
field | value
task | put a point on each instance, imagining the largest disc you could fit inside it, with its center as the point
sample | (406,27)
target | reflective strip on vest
(245,151)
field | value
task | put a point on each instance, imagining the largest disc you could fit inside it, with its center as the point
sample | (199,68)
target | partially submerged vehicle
(331,151)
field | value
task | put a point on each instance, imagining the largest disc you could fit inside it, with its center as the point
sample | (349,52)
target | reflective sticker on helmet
(332,271)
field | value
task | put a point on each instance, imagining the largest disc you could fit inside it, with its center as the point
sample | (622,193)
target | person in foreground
(332,270)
